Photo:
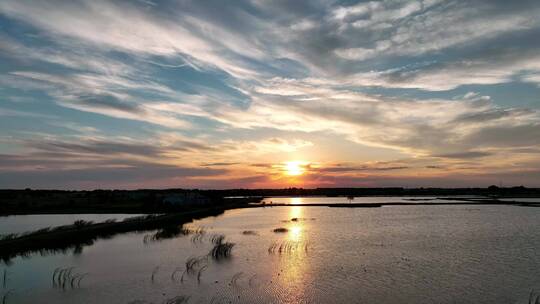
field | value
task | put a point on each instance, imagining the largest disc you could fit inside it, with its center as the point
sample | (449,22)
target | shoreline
(79,235)
(76,237)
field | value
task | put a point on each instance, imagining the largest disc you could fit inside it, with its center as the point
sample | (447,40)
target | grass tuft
(288,247)
(177,300)
(65,278)
(221,248)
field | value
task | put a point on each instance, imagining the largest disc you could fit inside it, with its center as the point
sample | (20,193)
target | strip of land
(176,207)
(80,234)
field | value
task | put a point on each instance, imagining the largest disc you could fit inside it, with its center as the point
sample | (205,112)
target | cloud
(465,155)
(110,25)
(275,79)
(96,147)
(136,174)
(106,95)
(494,69)
(344,168)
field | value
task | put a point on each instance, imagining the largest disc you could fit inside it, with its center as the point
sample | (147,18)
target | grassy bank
(75,237)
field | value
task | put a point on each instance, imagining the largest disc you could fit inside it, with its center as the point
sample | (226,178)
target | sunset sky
(255,93)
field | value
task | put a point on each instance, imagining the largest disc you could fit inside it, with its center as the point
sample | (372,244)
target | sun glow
(294,168)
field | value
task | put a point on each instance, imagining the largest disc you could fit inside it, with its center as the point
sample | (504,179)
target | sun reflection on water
(296,201)
(294,265)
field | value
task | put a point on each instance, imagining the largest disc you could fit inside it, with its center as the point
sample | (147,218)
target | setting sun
(294,168)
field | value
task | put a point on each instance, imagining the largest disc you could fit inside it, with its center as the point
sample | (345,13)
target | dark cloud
(103,148)
(139,173)
(219,164)
(108,102)
(261,165)
(506,136)
(528,178)
(346,168)
(466,154)
(492,114)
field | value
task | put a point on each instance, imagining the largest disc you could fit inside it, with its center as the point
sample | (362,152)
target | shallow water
(363,199)
(398,254)
(24,223)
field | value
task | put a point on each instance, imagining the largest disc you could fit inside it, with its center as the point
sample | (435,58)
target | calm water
(522,199)
(362,199)
(24,223)
(398,254)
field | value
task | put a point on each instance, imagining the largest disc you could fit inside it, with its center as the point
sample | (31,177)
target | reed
(288,247)
(200,273)
(177,300)
(174,231)
(69,237)
(65,278)
(221,249)
(235,278)
(198,235)
(194,263)
(6,295)
(82,223)
(154,272)
(534,298)
(193,266)
(252,280)
(175,272)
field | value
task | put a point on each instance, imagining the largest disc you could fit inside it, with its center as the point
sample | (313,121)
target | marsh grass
(193,266)
(69,237)
(5,292)
(534,297)
(6,295)
(288,247)
(235,278)
(173,300)
(177,300)
(198,235)
(194,263)
(173,232)
(154,273)
(64,278)
(199,273)
(175,272)
(251,281)
(78,224)
(221,248)
(220,300)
